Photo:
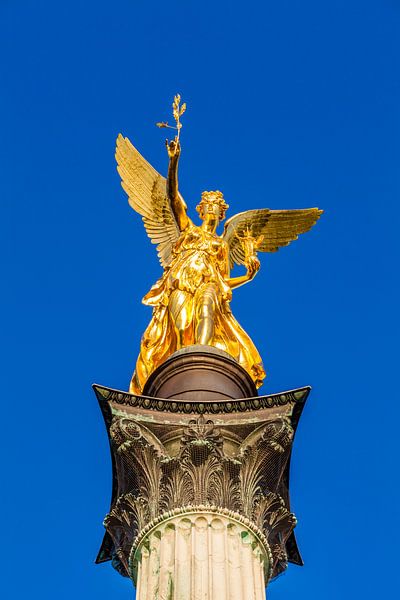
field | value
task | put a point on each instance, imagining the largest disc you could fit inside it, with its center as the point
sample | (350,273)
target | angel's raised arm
(176,201)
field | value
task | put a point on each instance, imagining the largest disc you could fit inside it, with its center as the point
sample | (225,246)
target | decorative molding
(212,407)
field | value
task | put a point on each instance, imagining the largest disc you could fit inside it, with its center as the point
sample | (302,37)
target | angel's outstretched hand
(173,148)
(253,266)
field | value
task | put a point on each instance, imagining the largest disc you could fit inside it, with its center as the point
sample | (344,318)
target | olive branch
(177,111)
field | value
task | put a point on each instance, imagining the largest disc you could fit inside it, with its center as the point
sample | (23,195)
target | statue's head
(212,203)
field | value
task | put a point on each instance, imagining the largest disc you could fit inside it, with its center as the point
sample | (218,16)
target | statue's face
(211,209)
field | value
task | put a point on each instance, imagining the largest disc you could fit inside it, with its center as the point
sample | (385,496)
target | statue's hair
(216,197)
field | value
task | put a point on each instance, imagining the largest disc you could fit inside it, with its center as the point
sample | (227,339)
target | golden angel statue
(191,300)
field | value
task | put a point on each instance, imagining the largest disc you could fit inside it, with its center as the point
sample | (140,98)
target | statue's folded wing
(146,190)
(279,228)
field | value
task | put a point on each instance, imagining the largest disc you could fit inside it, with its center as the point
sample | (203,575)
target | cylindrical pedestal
(199,374)
(201,555)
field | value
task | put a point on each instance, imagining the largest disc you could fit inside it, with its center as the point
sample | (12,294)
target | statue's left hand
(253,266)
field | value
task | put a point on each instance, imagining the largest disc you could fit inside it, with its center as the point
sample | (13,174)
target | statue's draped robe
(199,267)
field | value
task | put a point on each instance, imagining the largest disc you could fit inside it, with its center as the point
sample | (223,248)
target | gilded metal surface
(191,300)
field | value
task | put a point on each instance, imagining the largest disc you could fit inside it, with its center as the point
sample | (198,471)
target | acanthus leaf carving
(176,489)
(201,473)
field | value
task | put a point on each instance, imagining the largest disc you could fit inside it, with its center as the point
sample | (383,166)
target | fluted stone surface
(201,556)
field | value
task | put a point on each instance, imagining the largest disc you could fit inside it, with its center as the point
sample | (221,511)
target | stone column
(201,555)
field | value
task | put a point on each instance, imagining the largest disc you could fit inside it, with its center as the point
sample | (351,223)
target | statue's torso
(198,257)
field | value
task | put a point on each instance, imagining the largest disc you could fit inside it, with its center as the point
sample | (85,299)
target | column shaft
(203,556)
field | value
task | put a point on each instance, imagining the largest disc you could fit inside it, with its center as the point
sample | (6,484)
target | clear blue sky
(291,104)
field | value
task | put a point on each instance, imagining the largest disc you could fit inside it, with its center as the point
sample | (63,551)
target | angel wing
(279,228)
(146,190)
